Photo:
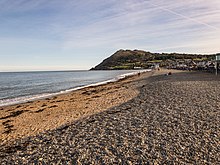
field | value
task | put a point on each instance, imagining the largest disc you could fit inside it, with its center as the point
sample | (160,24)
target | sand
(22,120)
(173,119)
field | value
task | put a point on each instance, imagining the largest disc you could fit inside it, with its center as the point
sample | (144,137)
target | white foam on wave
(24,99)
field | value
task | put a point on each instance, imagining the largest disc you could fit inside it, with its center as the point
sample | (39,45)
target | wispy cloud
(89,26)
(185,17)
(138,22)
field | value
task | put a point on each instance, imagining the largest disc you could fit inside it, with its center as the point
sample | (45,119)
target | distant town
(188,64)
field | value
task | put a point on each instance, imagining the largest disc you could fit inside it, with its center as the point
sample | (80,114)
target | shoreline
(173,119)
(35,97)
(33,117)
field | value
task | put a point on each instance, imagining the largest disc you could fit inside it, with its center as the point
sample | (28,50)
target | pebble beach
(159,119)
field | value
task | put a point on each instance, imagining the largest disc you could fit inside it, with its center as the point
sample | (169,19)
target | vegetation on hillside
(131,59)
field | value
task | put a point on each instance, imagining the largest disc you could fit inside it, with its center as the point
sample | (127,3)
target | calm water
(18,87)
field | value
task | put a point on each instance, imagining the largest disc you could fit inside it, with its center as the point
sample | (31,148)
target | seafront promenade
(173,119)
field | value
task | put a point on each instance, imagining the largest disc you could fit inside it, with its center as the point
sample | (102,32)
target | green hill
(130,59)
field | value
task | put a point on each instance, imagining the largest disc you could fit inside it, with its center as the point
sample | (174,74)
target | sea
(21,87)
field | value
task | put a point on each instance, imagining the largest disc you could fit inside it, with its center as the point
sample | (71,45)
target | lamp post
(216,63)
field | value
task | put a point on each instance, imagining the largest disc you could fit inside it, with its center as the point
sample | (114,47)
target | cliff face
(130,59)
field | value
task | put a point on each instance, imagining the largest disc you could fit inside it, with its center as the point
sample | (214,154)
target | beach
(28,119)
(153,118)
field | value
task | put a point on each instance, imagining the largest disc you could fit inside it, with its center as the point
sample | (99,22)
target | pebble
(171,121)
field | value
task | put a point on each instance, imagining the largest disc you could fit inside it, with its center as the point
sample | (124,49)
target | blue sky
(70,34)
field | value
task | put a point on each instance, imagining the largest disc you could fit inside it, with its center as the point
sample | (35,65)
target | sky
(77,35)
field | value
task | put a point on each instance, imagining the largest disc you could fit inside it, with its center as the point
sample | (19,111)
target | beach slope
(174,119)
(28,119)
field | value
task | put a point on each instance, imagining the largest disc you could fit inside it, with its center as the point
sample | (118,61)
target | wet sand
(172,120)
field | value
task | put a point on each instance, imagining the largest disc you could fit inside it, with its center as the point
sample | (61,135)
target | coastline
(174,119)
(37,116)
(39,96)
